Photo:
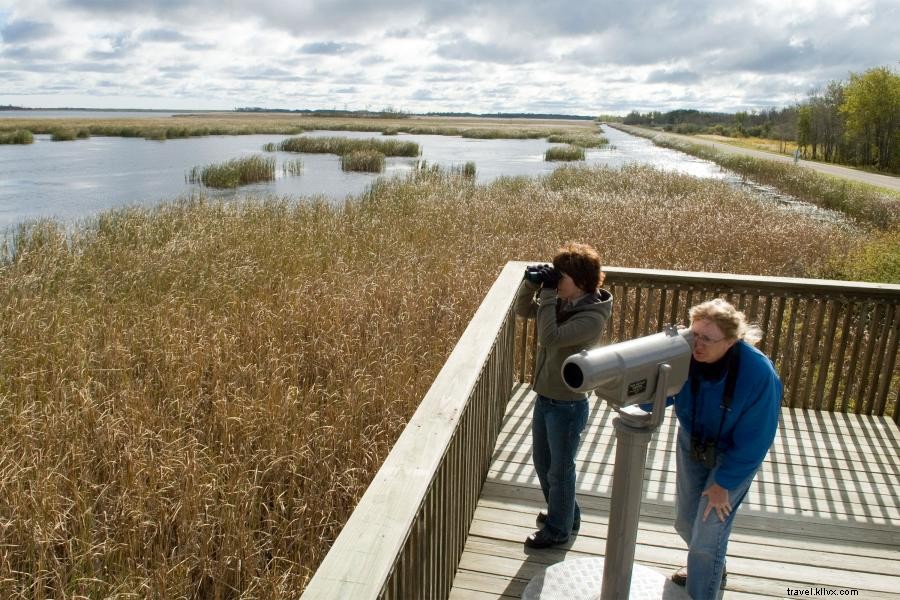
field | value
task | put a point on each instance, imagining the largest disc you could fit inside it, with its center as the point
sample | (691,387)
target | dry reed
(367,161)
(193,397)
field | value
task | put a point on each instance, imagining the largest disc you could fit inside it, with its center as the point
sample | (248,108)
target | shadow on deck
(822,513)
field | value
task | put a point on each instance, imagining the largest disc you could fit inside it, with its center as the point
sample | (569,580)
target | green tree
(871,104)
(804,126)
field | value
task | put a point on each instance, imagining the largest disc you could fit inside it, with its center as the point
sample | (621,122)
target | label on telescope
(637,387)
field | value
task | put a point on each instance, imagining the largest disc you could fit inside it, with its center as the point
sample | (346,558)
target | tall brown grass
(162,128)
(193,397)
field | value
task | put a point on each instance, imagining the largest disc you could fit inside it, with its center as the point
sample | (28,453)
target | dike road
(889,182)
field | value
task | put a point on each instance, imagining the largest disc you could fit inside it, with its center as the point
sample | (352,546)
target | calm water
(74,180)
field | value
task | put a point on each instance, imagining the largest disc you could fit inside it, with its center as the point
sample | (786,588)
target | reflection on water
(73,180)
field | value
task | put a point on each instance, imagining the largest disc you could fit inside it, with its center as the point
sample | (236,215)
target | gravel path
(886,181)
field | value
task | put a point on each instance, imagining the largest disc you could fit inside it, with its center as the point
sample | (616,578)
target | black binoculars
(540,274)
(703,451)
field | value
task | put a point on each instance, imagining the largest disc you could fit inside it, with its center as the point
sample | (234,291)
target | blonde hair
(730,320)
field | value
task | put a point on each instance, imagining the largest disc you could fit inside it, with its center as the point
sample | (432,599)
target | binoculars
(540,274)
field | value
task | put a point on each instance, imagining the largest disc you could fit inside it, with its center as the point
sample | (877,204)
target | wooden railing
(834,344)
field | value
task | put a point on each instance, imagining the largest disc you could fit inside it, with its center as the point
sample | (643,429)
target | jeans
(556,434)
(707,540)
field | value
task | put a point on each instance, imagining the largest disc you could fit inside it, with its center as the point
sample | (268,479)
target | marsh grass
(292,167)
(70,134)
(342,146)
(564,153)
(18,136)
(235,172)
(289,124)
(865,203)
(368,161)
(270,147)
(193,397)
(576,139)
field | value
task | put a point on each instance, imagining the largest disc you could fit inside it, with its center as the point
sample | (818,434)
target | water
(74,180)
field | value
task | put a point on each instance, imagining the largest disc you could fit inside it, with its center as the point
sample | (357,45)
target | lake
(77,179)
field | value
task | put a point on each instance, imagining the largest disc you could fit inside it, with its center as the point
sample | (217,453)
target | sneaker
(542,518)
(542,539)
(679,577)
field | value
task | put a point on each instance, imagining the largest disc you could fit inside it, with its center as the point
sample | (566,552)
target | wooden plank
(523,510)
(786,523)
(520,566)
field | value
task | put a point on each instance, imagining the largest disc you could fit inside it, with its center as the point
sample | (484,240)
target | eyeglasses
(705,339)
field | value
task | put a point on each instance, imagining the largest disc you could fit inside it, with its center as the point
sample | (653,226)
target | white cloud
(435,55)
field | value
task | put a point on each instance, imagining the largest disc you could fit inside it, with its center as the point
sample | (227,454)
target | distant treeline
(394,113)
(505,115)
(851,122)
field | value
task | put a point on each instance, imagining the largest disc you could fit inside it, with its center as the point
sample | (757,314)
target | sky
(580,57)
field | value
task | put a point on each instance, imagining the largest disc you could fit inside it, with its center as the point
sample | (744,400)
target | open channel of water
(74,180)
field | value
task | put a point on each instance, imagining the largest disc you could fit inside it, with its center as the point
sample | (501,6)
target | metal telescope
(640,371)
(627,373)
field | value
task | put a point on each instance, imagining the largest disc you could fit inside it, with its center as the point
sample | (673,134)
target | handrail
(406,535)
(834,343)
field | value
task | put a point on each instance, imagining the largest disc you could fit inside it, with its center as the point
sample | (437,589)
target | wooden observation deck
(447,514)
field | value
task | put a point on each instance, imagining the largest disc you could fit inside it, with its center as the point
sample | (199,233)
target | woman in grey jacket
(570,310)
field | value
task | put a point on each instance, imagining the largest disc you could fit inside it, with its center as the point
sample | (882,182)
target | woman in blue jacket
(727,413)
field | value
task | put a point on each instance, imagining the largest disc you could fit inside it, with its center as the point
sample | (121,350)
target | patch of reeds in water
(564,153)
(195,396)
(70,134)
(18,136)
(292,167)
(270,147)
(576,139)
(368,161)
(342,146)
(235,172)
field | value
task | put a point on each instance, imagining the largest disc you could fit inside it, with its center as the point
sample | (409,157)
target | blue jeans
(556,434)
(707,540)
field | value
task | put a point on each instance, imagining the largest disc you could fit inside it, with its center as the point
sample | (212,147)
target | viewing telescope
(645,370)
(626,373)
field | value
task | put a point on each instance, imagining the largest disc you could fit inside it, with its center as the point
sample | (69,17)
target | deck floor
(822,513)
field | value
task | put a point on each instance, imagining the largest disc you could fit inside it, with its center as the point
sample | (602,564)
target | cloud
(17,32)
(163,35)
(680,77)
(509,55)
(332,48)
(464,48)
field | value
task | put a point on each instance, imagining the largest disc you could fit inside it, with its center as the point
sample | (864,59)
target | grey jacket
(562,331)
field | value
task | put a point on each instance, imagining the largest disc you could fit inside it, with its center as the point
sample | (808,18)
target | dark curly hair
(582,263)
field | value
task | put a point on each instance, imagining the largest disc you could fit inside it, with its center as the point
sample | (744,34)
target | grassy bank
(867,204)
(284,123)
(193,397)
(17,136)
(234,173)
(342,146)
(582,140)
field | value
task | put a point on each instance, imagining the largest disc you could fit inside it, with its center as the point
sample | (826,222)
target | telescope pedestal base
(582,579)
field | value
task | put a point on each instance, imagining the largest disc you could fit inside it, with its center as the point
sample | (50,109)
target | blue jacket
(749,427)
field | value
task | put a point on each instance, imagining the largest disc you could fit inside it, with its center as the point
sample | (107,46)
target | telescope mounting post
(577,579)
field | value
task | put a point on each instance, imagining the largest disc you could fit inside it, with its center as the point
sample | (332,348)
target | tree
(804,126)
(871,104)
